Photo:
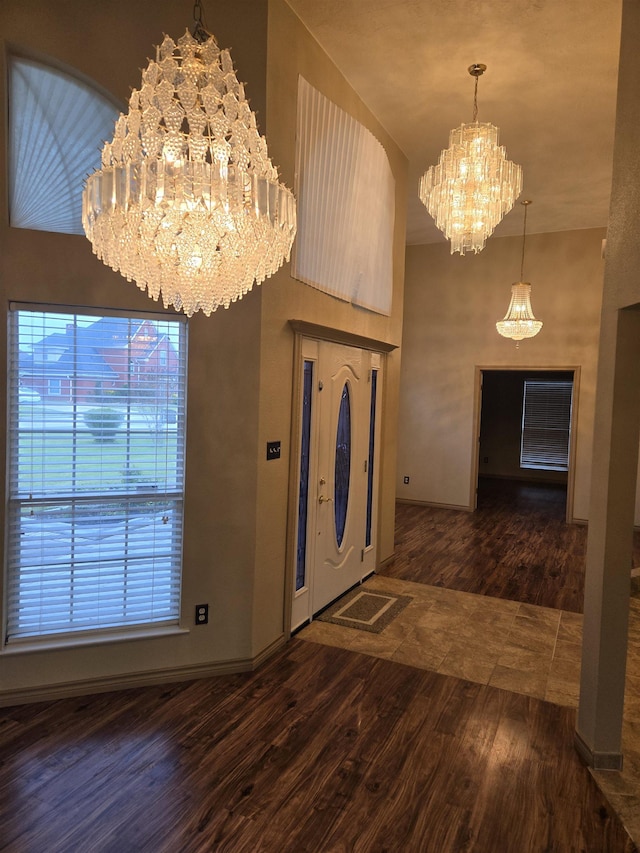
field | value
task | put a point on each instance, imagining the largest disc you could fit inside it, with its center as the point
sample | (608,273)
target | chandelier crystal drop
(519,321)
(473,185)
(187,203)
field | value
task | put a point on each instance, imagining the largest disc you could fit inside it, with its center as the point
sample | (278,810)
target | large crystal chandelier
(187,203)
(474,185)
(519,321)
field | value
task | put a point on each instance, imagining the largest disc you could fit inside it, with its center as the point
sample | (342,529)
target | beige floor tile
(543,615)
(371,644)
(570,630)
(564,677)
(561,697)
(567,650)
(435,642)
(402,628)
(540,638)
(519,681)
(415,654)
(436,619)
(470,668)
(525,659)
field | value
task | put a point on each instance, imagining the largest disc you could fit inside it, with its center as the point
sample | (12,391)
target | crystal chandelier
(519,321)
(187,203)
(474,185)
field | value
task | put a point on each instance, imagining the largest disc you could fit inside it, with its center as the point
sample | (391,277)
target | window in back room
(546,424)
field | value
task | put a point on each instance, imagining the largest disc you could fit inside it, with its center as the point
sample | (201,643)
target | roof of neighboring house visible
(82,348)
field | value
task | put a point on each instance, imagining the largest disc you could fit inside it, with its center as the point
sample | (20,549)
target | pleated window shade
(96,471)
(57,126)
(346,205)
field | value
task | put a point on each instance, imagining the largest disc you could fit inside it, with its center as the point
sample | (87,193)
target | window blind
(96,471)
(57,125)
(546,424)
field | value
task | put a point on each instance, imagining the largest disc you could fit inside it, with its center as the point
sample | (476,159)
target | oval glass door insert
(343,464)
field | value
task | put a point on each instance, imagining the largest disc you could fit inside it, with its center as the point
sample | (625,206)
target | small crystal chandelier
(519,321)
(187,203)
(474,185)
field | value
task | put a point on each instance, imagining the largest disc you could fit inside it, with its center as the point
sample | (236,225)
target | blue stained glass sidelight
(372,433)
(303,499)
(343,464)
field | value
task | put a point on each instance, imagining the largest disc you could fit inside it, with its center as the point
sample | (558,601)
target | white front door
(337,501)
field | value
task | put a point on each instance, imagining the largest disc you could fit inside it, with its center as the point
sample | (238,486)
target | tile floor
(518,647)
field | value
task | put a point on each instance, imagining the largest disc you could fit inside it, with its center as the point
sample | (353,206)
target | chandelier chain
(200,31)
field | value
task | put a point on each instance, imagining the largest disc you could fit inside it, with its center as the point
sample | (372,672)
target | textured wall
(240,360)
(451,306)
(292,51)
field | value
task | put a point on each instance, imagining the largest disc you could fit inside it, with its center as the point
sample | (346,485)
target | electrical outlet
(202,614)
(406,481)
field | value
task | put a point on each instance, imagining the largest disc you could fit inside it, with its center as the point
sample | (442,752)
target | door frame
(477,419)
(302,329)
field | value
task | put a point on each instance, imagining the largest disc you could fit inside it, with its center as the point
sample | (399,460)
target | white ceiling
(550,86)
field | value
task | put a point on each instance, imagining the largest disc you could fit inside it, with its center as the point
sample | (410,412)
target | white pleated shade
(346,202)
(57,125)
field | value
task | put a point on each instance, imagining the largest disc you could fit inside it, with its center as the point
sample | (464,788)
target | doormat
(367,610)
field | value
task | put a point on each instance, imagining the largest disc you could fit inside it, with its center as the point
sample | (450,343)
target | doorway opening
(525,437)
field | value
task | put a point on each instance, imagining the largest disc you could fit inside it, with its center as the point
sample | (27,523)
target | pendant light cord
(524,237)
(476,70)
(475,100)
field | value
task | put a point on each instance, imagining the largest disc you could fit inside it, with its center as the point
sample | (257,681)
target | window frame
(148,500)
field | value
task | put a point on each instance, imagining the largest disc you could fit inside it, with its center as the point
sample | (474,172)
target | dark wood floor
(324,749)
(516,545)
(321,750)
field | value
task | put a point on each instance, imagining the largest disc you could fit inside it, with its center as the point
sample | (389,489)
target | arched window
(57,126)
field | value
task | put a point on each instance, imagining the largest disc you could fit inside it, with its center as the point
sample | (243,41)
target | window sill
(19,647)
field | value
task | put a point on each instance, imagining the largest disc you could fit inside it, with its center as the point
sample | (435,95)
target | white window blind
(96,471)
(546,425)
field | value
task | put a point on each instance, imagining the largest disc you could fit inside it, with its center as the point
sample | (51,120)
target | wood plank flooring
(325,749)
(321,750)
(516,545)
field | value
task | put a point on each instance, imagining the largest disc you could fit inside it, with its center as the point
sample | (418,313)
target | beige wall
(292,52)
(616,436)
(451,307)
(240,360)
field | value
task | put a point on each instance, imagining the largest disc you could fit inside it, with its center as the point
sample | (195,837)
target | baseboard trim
(435,504)
(85,687)
(597,760)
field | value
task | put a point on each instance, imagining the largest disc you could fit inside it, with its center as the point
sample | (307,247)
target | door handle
(322,499)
